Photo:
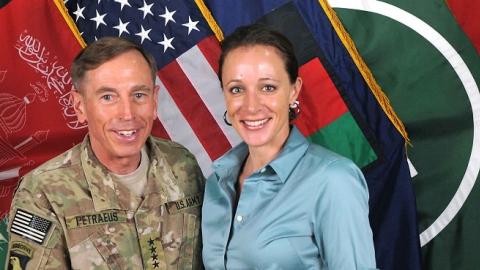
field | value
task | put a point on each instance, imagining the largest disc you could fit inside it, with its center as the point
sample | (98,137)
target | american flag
(30,226)
(190,106)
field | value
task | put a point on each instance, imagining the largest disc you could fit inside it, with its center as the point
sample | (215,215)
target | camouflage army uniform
(70,214)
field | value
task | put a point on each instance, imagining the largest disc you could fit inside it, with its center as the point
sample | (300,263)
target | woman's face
(257,93)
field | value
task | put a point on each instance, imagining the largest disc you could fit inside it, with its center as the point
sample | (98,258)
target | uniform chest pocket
(117,249)
(180,246)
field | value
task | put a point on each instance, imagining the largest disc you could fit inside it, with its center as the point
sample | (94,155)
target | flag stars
(144,34)
(168,16)
(122,27)
(79,13)
(123,3)
(147,9)
(99,19)
(191,25)
(167,43)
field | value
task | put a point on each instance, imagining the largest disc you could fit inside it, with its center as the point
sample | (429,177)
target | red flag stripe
(178,128)
(204,80)
(319,99)
(211,50)
(158,130)
(466,13)
(194,110)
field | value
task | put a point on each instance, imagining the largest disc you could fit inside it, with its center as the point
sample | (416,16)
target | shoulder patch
(30,226)
(20,254)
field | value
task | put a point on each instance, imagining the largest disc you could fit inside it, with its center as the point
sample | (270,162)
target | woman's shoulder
(319,154)
(334,169)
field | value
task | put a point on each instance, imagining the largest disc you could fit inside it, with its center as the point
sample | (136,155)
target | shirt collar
(107,194)
(294,148)
(231,162)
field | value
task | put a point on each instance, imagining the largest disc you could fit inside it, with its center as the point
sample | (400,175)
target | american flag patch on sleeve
(30,226)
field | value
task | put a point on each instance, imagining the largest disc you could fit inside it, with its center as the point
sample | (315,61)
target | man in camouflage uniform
(121,199)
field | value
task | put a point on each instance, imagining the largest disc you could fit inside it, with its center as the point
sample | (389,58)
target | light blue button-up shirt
(306,209)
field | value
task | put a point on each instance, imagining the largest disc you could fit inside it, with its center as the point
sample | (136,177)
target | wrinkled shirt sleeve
(340,218)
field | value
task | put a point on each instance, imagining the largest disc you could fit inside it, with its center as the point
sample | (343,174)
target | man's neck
(122,166)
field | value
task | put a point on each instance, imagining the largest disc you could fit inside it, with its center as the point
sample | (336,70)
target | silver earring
(294,110)
(225,119)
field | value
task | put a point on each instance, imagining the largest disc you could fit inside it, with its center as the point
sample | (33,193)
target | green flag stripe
(345,137)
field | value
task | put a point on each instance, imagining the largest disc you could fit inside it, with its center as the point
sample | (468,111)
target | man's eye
(107,97)
(139,95)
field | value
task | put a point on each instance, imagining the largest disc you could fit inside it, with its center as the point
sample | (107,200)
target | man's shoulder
(56,177)
(173,151)
(65,160)
(54,169)
(179,159)
(167,145)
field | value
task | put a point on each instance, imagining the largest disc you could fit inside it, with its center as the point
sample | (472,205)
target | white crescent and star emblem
(469,84)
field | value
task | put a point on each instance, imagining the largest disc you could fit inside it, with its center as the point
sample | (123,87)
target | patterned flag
(30,226)
(37,121)
(431,71)
(191,106)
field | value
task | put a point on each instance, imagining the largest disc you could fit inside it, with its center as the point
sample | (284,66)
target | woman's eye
(235,90)
(269,88)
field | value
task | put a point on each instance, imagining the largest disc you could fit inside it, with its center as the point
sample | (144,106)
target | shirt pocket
(179,235)
(90,253)
(101,251)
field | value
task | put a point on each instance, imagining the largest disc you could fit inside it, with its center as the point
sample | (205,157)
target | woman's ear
(297,86)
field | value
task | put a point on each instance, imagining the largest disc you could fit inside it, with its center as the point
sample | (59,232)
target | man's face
(119,102)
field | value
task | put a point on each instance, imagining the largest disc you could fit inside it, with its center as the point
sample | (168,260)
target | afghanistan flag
(345,110)
(431,72)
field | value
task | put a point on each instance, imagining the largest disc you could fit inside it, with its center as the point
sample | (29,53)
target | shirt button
(239,218)
(263,170)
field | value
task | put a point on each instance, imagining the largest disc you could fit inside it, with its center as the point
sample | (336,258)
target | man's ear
(156,88)
(79,106)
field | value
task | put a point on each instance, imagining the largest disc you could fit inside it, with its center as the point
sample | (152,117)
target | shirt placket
(247,201)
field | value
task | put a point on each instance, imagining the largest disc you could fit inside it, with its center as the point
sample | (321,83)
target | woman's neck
(259,156)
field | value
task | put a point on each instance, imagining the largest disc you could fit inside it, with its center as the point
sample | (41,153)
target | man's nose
(126,110)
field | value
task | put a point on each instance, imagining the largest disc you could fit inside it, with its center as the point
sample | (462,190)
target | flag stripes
(211,50)
(178,128)
(320,100)
(205,81)
(194,110)
(30,226)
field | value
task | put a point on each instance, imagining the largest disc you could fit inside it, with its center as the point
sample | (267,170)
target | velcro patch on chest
(183,204)
(97,218)
(30,226)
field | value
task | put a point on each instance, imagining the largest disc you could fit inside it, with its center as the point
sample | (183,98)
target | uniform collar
(108,194)
(294,148)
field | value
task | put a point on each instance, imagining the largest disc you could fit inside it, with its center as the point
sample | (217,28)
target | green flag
(430,72)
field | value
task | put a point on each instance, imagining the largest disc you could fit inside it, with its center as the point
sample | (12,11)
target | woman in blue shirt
(276,201)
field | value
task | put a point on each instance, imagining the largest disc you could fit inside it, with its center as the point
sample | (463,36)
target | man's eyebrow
(104,89)
(142,87)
